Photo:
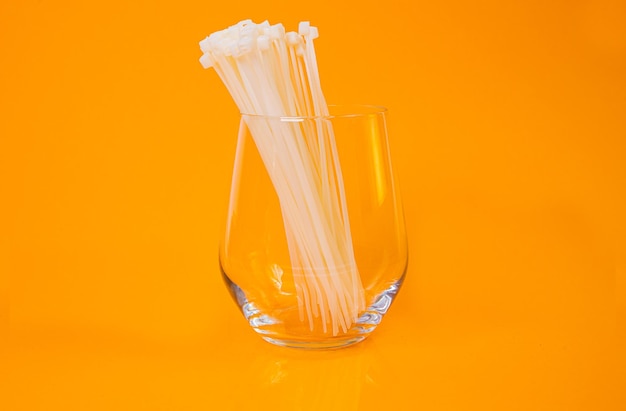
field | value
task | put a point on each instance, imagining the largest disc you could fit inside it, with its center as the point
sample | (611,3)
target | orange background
(507,126)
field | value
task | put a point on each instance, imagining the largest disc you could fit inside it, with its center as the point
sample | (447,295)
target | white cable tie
(215,39)
(248,31)
(243,23)
(303,28)
(293,38)
(207,61)
(244,45)
(277,31)
(205,44)
(230,48)
(233,32)
(263,42)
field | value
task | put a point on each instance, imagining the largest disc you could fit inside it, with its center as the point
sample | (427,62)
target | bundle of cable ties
(273,73)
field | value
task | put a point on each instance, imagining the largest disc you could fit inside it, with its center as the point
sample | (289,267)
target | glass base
(316,345)
(267,326)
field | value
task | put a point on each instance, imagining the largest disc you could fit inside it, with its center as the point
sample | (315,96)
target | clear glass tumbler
(315,248)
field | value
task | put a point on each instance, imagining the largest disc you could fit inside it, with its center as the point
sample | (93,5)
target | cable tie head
(263,42)
(215,38)
(293,38)
(277,31)
(244,45)
(207,61)
(229,48)
(205,44)
(250,30)
(232,32)
(243,23)
(303,28)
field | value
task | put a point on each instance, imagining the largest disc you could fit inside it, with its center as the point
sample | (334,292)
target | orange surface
(508,127)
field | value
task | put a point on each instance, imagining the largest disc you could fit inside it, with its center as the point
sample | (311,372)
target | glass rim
(336,111)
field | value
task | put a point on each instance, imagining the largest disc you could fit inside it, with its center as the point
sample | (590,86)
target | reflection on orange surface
(311,381)
(506,122)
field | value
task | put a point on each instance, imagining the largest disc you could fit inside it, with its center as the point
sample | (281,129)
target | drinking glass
(314,249)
